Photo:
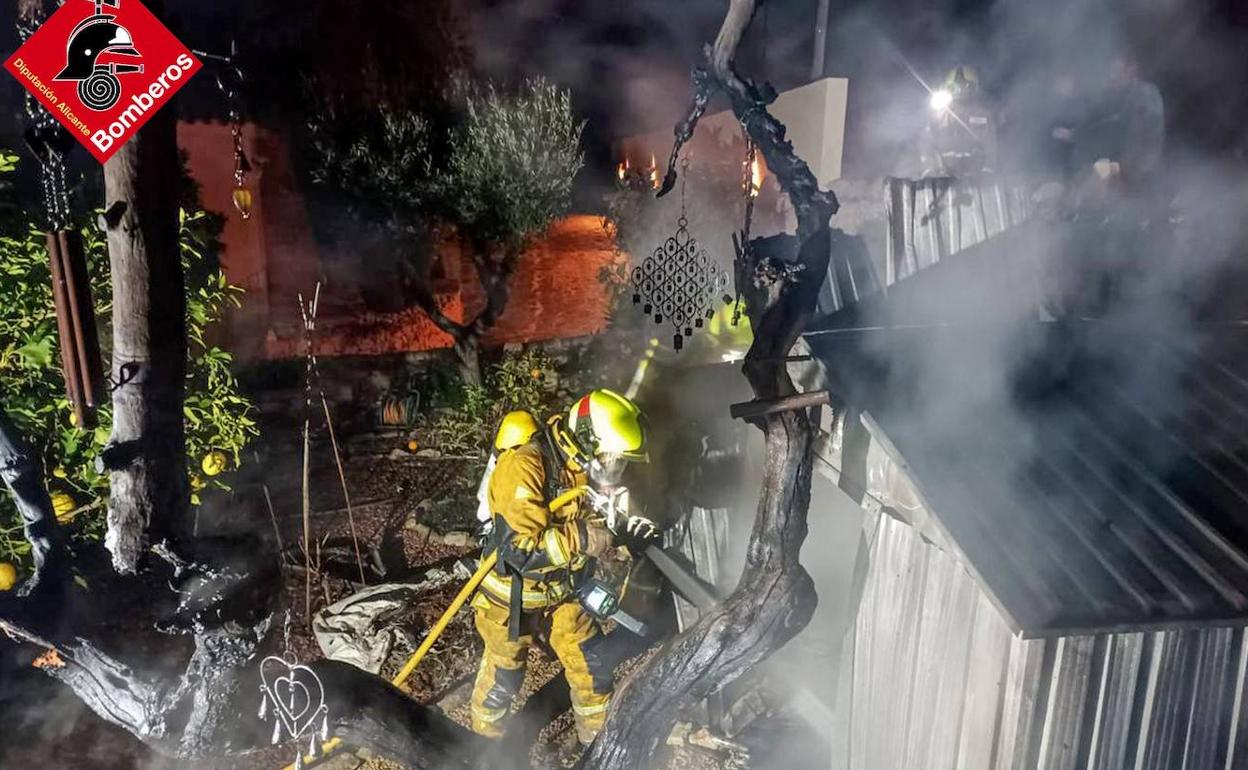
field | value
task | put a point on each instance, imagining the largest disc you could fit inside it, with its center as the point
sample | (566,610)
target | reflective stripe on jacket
(518,492)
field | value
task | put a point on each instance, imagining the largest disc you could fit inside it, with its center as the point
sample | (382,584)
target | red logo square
(102,68)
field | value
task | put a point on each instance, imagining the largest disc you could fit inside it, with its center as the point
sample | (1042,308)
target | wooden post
(748,410)
(146,452)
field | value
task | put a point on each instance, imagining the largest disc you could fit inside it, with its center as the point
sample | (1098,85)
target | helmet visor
(607,469)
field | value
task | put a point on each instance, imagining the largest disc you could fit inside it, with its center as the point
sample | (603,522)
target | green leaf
(37,353)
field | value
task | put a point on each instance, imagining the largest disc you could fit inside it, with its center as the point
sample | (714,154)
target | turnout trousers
(577,641)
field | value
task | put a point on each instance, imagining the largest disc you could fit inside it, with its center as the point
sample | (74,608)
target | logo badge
(102,68)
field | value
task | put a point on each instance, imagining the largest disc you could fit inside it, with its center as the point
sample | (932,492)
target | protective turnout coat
(544,550)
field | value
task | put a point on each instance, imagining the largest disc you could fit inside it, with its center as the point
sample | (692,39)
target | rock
(421,531)
(428,453)
(458,539)
(397,454)
(424,505)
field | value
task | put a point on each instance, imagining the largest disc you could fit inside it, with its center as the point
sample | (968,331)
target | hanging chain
(750,190)
(236,131)
(235,116)
(230,81)
(684,175)
(286,634)
(53,174)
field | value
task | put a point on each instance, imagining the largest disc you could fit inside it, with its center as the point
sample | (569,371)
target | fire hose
(487,563)
(684,581)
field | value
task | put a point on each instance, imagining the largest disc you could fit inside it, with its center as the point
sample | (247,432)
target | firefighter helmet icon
(95,36)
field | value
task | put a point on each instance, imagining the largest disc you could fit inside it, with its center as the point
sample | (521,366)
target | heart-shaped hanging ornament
(294,695)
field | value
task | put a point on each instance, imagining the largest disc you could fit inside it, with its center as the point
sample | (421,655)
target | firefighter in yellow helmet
(516,429)
(960,139)
(544,555)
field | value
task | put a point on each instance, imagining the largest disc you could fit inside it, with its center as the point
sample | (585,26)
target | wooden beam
(747,410)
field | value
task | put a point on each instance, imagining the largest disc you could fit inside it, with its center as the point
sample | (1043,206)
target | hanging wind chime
(293,696)
(678,283)
(81,363)
(230,81)
(242,192)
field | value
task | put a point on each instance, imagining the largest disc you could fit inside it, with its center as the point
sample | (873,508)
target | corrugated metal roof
(940,683)
(1093,475)
(928,221)
(1085,497)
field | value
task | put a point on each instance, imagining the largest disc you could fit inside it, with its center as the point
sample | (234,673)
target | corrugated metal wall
(930,219)
(939,682)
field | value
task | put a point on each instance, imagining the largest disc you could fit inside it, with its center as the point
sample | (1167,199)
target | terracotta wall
(555,293)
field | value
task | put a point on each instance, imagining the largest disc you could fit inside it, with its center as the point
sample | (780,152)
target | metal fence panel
(938,682)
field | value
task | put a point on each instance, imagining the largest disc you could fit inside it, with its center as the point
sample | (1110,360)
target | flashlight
(941,99)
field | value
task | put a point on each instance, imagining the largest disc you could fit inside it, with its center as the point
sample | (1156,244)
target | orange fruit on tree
(63,505)
(214,462)
(8,576)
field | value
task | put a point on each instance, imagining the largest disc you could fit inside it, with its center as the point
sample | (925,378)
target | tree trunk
(775,597)
(494,267)
(468,353)
(145,456)
(210,710)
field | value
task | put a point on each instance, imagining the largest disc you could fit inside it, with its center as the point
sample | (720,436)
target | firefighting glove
(637,534)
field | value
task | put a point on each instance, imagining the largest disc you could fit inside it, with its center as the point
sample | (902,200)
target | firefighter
(961,136)
(516,429)
(544,555)
(1123,136)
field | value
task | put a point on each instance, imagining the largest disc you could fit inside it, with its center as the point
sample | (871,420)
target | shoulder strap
(552,464)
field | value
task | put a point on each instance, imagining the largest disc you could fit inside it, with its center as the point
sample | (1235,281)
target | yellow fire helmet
(603,423)
(515,430)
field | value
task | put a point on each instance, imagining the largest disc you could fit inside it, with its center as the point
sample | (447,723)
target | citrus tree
(218,416)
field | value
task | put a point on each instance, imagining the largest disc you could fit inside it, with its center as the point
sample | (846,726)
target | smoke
(1149,274)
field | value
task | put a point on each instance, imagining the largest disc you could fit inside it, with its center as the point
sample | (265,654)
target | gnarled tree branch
(775,597)
(22,471)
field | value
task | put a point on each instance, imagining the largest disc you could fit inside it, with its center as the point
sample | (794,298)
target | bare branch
(22,471)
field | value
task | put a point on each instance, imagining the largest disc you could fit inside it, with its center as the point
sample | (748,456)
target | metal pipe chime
(50,143)
(75,324)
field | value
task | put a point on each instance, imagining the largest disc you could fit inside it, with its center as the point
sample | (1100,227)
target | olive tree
(499,176)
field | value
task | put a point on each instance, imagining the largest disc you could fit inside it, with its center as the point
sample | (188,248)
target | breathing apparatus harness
(556,446)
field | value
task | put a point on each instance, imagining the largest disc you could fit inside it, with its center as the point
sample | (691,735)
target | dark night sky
(627,61)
